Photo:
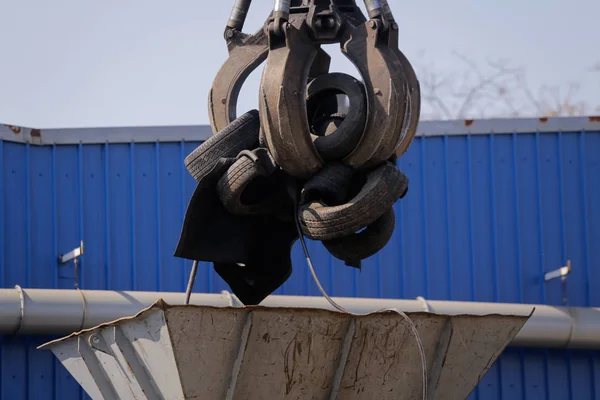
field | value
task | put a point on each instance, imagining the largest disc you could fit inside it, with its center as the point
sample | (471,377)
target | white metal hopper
(199,352)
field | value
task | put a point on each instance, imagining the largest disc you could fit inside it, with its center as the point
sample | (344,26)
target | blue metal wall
(484,218)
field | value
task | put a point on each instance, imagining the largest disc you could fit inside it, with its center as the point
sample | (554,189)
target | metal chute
(187,352)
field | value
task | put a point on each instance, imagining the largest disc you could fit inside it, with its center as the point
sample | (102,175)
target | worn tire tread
(384,186)
(241,134)
(364,244)
(235,181)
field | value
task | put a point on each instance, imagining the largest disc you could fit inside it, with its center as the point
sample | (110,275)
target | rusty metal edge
(162,305)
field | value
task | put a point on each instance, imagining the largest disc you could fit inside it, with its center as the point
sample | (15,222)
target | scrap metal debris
(301,157)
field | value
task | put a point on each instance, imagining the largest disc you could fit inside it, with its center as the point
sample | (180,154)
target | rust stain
(594,118)
(469,122)
(128,366)
(543,120)
(14,129)
(36,133)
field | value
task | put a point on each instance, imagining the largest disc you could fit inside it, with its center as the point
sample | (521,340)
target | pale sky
(73,63)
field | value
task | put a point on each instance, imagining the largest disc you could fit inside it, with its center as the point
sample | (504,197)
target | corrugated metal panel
(190,133)
(485,216)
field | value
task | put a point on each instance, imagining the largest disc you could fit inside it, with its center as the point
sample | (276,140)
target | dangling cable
(415,332)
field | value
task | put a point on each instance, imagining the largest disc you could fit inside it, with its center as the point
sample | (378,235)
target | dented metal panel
(186,352)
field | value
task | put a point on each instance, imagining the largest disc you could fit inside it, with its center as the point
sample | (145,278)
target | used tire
(241,134)
(250,186)
(383,187)
(356,247)
(341,142)
(331,184)
(328,124)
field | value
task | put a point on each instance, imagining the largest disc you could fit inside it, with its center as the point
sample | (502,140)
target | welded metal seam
(237,364)
(84,312)
(22,309)
(339,373)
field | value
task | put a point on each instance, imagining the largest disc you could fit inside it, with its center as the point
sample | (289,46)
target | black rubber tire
(238,179)
(241,134)
(320,107)
(345,138)
(330,185)
(356,247)
(383,187)
(328,124)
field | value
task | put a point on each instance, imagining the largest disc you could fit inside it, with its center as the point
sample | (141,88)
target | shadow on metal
(185,352)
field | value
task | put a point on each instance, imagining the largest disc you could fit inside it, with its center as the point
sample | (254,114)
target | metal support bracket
(561,273)
(73,255)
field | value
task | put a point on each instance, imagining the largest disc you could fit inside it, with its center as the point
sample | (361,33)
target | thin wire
(342,309)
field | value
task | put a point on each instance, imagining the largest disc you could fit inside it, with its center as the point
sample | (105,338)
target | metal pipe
(238,15)
(387,11)
(282,7)
(64,311)
(191,280)
(281,13)
(61,312)
(373,8)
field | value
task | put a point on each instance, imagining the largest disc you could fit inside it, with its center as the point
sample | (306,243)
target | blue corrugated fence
(484,218)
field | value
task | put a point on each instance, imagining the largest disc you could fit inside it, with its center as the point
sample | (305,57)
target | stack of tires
(251,207)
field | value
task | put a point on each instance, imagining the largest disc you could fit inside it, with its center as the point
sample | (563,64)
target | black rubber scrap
(261,243)
(268,265)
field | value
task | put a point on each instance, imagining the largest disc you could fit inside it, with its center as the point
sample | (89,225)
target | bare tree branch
(495,89)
